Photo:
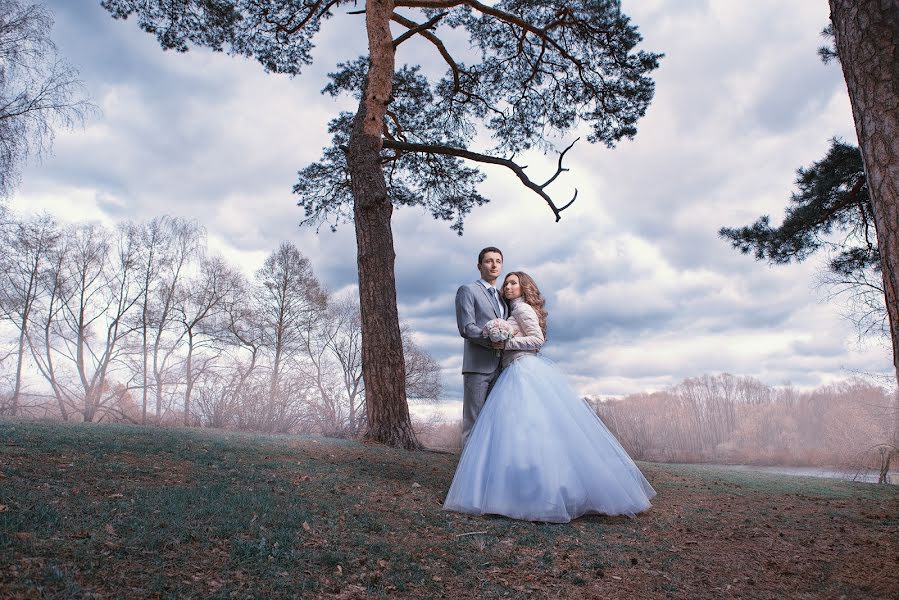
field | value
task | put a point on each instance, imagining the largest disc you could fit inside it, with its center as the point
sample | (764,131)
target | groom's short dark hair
(489,249)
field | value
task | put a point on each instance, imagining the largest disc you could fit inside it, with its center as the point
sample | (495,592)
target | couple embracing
(532,449)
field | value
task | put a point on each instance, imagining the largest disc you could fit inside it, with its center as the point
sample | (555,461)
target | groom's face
(491,266)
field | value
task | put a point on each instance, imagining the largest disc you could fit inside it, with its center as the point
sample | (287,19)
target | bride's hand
(499,345)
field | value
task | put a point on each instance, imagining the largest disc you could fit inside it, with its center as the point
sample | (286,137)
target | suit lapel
(490,301)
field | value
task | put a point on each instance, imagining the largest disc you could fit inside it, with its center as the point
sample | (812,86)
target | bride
(537,451)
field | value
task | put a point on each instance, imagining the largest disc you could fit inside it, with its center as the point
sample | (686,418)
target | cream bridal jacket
(528,335)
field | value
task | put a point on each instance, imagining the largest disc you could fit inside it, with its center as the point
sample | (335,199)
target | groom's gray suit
(480,361)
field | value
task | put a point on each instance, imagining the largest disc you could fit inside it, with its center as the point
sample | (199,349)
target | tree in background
(100,289)
(165,247)
(274,354)
(38,90)
(28,248)
(201,306)
(183,240)
(539,69)
(289,300)
(727,419)
(339,350)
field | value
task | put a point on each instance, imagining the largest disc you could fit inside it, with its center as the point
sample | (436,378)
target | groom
(476,304)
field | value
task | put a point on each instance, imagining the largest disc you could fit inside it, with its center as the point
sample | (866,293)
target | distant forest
(140,323)
(728,419)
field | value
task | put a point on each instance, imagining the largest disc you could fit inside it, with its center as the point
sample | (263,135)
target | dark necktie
(495,296)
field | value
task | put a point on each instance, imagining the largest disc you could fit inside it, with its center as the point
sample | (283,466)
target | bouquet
(498,330)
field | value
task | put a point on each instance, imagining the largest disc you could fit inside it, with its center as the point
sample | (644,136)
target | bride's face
(511,288)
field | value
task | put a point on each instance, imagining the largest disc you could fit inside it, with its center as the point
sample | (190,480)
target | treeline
(729,419)
(141,323)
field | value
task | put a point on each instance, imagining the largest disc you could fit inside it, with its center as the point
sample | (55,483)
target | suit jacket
(474,307)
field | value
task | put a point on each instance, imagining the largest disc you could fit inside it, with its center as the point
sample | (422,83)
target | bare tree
(151,256)
(166,245)
(221,388)
(317,365)
(344,335)
(55,290)
(240,333)
(28,250)
(182,241)
(99,272)
(272,356)
(422,371)
(38,90)
(288,297)
(201,308)
(346,348)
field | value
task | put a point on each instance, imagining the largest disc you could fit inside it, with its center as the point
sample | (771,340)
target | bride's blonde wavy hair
(530,293)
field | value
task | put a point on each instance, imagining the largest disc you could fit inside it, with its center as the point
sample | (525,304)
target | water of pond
(869,476)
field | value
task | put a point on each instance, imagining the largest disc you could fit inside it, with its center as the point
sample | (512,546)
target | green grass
(730,481)
(123,511)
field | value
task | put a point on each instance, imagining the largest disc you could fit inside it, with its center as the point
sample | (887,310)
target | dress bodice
(528,335)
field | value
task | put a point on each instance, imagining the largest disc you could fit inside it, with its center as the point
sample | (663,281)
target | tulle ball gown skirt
(538,452)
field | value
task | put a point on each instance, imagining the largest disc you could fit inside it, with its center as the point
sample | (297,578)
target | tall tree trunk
(46,367)
(189,376)
(17,390)
(23,334)
(143,406)
(867,40)
(90,407)
(383,366)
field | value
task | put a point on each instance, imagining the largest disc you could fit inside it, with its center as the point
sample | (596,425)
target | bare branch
(560,170)
(399,127)
(438,43)
(539,189)
(417,29)
(430,3)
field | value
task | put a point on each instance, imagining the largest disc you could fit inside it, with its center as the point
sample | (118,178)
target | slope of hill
(119,511)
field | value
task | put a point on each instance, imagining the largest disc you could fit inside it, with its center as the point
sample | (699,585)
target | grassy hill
(118,511)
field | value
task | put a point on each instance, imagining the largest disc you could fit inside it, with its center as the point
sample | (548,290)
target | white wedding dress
(538,451)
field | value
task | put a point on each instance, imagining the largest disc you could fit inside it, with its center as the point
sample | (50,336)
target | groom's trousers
(476,386)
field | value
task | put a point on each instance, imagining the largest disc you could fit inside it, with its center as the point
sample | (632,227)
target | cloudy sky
(640,290)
